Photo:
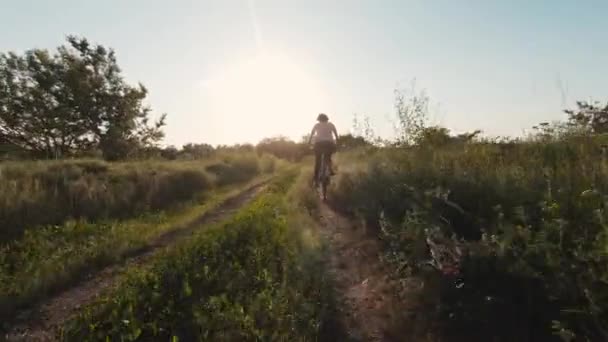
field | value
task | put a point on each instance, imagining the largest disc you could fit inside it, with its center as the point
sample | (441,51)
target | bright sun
(266,96)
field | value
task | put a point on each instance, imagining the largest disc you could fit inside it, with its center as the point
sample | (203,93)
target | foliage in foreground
(251,278)
(516,233)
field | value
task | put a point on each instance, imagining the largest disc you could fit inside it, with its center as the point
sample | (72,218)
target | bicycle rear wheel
(324,176)
(324,185)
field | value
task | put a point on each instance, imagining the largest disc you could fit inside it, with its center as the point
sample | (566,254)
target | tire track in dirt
(373,306)
(41,322)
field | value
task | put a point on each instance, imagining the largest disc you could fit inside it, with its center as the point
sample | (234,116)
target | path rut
(40,323)
(373,306)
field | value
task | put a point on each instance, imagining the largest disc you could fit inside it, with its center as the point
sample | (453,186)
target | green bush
(234,168)
(267,163)
(178,186)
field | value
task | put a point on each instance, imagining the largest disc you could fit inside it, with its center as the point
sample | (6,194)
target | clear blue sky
(237,70)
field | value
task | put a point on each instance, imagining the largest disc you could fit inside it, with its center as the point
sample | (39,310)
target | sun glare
(266,96)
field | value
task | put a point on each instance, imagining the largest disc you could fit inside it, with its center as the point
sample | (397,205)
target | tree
(349,141)
(590,116)
(554,131)
(197,151)
(437,136)
(235,148)
(282,147)
(169,152)
(72,101)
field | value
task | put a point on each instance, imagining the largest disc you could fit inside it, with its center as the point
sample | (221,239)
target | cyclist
(323,134)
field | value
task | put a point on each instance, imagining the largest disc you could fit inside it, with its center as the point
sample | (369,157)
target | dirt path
(39,324)
(373,307)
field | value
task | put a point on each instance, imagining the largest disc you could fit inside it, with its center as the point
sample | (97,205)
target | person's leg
(327,150)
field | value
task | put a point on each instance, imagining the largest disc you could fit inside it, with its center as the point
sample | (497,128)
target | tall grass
(50,193)
(529,246)
(231,169)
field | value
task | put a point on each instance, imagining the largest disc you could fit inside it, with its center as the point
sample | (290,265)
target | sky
(235,71)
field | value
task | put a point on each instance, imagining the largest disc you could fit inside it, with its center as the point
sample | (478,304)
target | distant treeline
(280,147)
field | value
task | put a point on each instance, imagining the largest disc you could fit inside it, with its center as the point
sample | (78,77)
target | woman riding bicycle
(323,134)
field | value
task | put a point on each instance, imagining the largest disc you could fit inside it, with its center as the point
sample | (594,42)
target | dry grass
(50,193)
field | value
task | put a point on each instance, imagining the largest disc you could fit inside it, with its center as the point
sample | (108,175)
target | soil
(373,306)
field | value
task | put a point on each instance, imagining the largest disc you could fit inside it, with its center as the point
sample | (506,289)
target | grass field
(510,240)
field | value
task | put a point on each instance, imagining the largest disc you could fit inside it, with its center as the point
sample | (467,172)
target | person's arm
(333,128)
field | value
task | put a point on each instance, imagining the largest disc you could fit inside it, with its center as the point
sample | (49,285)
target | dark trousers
(323,147)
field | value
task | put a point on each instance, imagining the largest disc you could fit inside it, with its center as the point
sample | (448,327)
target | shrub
(178,186)
(267,163)
(234,169)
